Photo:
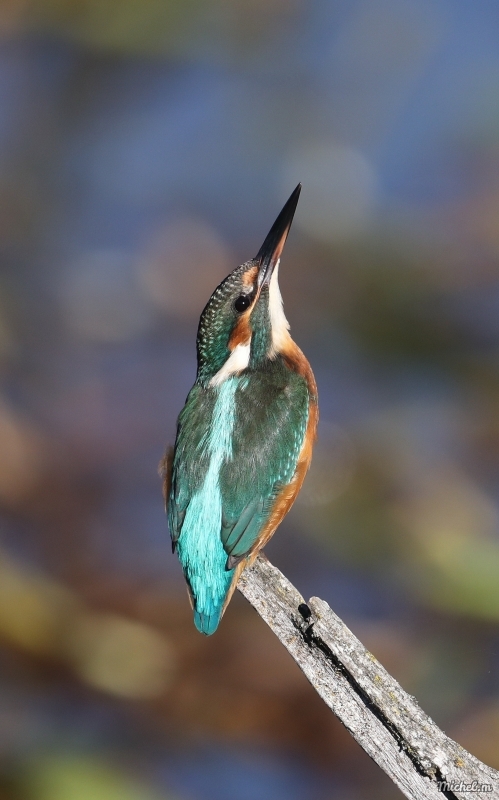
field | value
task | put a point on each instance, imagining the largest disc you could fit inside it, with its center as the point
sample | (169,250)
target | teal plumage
(244,436)
(200,501)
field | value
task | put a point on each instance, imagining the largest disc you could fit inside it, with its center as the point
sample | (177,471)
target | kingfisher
(245,435)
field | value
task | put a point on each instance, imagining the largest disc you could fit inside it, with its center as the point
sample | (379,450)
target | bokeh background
(146,147)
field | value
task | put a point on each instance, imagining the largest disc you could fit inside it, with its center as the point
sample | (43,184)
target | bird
(245,435)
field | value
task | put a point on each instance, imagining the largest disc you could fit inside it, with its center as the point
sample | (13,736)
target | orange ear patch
(242,330)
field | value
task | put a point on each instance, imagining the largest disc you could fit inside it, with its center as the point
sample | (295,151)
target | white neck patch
(278,322)
(236,362)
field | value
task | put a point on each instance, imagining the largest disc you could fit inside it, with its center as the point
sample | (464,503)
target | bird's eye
(242,302)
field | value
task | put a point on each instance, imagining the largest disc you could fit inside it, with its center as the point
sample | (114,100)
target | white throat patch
(278,322)
(237,361)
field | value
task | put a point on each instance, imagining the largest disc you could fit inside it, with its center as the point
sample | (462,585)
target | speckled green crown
(217,321)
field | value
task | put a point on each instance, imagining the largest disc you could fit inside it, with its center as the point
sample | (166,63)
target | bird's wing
(190,460)
(239,536)
(177,505)
(269,431)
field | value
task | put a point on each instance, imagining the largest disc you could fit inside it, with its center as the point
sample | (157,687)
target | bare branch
(387,722)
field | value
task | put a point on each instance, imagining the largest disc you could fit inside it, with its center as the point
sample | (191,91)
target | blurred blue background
(146,147)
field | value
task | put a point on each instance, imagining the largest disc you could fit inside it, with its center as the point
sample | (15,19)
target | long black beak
(270,251)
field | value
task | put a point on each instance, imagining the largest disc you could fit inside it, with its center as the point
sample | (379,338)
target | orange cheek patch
(242,330)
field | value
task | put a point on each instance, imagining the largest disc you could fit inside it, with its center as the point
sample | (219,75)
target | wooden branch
(387,722)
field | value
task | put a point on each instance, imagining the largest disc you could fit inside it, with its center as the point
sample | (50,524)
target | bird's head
(243,323)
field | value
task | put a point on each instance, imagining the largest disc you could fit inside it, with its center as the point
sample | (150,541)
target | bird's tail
(208,597)
(207,623)
(207,618)
(204,562)
(209,607)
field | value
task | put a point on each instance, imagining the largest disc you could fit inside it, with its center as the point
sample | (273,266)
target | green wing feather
(270,425)
(190,460)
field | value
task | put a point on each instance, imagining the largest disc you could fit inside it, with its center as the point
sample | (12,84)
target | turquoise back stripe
(200,547)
